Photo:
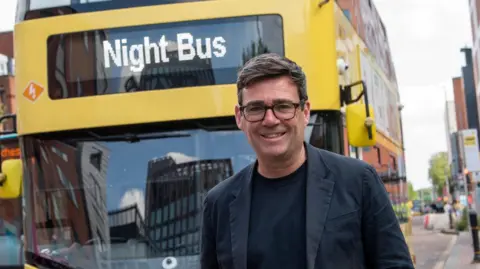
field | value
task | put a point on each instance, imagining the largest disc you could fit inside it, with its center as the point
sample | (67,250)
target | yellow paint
(309,33)
(29,267)
(12,173)
(356,131)
(469,140)
(388,143)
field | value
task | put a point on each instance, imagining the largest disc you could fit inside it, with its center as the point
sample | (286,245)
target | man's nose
(270,118)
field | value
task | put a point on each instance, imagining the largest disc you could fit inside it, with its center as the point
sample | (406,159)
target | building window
(394,163)
(96,160)
(2,94)
(3,103)
(379,156)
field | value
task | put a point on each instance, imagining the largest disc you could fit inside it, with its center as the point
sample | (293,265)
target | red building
(7,77)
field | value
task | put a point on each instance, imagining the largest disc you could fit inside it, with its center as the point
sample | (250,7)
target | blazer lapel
(320,186)
(239,219)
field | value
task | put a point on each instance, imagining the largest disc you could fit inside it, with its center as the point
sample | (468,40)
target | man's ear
(306,112)
(238,117)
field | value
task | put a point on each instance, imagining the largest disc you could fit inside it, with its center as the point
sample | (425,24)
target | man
(297,206)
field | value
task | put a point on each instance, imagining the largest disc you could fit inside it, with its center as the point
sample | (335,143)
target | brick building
(6,44)
(460,106)
(7,77)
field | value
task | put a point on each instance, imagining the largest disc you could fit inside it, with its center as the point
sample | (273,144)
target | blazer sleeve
(208,253)
(383,241)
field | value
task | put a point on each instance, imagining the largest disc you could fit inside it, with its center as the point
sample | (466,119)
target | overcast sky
(425,37)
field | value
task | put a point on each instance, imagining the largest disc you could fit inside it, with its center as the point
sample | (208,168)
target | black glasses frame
(272,107)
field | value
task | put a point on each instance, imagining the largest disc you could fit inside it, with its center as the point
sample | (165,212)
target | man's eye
(284,106)
(255,109)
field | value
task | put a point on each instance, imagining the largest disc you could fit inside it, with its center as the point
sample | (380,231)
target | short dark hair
(271,65)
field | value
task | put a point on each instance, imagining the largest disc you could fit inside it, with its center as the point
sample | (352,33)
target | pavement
(435,249)
(461,254)
(431,247)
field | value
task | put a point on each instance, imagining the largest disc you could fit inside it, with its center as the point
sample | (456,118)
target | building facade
(175,190)
(378,73)
(450,126)
(474,6)
(7,78)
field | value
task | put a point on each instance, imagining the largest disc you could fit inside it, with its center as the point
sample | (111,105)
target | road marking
(444,257)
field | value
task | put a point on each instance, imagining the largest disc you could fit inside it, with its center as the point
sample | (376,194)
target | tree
(439,170)
(412,194)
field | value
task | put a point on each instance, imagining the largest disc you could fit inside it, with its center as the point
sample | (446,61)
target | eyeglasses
(282,111)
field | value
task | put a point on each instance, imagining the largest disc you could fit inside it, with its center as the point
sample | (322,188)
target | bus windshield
(32,9)
(105,201)
(97,200)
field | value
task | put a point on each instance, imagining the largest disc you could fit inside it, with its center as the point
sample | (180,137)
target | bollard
(474,227)
(450,219)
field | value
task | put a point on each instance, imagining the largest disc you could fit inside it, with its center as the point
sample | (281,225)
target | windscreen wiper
(228,127)
(44,262)
(133,138)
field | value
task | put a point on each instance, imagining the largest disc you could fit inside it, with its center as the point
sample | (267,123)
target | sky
(425,38)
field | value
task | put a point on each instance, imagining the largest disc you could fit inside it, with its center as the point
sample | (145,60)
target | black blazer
(350,221)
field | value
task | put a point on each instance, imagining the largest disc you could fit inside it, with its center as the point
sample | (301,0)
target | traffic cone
(426,220)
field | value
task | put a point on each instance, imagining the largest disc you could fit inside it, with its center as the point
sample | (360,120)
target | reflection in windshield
(100,203)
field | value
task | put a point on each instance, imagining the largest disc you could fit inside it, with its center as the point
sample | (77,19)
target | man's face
(273,137)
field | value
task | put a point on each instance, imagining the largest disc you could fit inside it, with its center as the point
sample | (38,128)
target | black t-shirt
(276,237)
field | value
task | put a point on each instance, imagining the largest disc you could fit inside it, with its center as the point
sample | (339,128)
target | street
(429,246)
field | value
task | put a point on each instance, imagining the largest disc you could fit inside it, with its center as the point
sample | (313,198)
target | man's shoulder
(346,170)
(336,162)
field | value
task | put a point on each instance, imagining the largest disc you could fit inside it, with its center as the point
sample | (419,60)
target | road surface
(428,246)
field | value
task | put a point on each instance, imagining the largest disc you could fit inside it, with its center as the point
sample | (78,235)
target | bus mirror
(11,179)
(361,130)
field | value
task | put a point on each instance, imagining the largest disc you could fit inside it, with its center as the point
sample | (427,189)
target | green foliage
(425,194)
(462,224)
(412,194)
(438,171)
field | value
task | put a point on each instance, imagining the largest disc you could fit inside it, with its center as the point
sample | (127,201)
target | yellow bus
(125,118)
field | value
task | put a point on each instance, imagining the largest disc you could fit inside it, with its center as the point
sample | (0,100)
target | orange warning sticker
(33,91)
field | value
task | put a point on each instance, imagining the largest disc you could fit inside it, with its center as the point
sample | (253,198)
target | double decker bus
(126,119)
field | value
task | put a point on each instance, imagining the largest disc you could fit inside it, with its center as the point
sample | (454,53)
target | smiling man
(297,206)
